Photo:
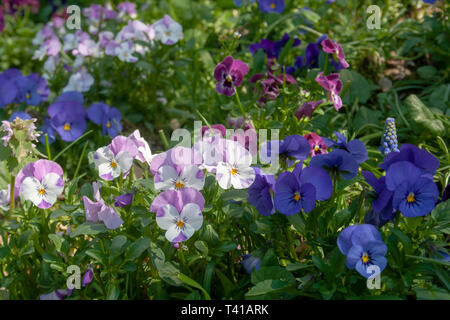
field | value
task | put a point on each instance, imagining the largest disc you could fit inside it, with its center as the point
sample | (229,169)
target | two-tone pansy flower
(229,74)
(333,48)
(179,212)
(333,86)
(115,159)
(167,30)
(41,182)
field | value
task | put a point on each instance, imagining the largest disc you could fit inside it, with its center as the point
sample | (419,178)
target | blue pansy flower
(273,49)
(415,194)
(267,6)
(109,118)
(301,188)
(250,263)
(355,147)
(68,117)
(292,147)
(260,193)
(8,87)
(47,128)
(239,3)
(27,91)
(19,114)
(338,162)
(363,246)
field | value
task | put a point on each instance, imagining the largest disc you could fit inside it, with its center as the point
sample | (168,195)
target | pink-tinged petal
(26,171)
(241,66)
(92,209)
(324,83)
(328,46)
(338,87)
(167,197)
(121,143)
(228,62)
(237,77)
(220,72)
(43,167)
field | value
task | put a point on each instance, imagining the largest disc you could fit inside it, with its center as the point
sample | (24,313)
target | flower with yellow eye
(108,117)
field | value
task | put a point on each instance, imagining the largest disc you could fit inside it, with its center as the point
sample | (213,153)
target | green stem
(240,104)
(325,66)
(163,139)
(81,159)
(11,193)
(47,147)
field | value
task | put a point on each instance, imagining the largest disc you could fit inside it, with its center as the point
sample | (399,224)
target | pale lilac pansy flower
(144,153)
(60,294)
(127,8)
(176,169)
(97,210)
(80,81)
(167,30)
(235,170)
(125,52)
(179,212)
(41,182)
(115,159)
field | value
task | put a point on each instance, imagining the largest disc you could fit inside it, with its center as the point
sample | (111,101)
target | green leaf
(137,248)
(202,247)
(88,228)
(113,291)
(234,194)
(432,293)
(191,282)
(422,116)
(57,240)
(118,245)
(265,287)
(358,87)
(24,238)
(272,273)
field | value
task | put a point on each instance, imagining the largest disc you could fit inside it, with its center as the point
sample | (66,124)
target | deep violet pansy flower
(267,6)
(41,182)
(179,212)
(414,194)
(318,146)
(292,147)
(229,74)
(260,193)
(68,118)
(27,92)
(337,162)
(363,246)
(123,200)
(87,277)
(333,86)
(8,87)
(333,48)
(108,117)
(301,188)
(115,159)
(355,147)
(272,49)
(307,109)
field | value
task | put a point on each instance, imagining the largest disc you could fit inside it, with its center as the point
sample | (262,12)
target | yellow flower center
(316,148)
(365,258)
(108,124)
(179,185)
(229,78)
(113,164)
(234,171)
(41,191)
(272,6)
(67,127)
(410,198)
(28,96)
(297,196)
(180,224)
(168,33)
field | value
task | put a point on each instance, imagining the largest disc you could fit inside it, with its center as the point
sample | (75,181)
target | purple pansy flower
(260,193)
(338,162)
(267,6)
(363,246)
(292,147)
(333,86)
(27,90)
(123,200)
(47,128)
(108,117)
(301,188)
(179,212)
(127,7)
(229,74)
(333,48)
(68,118)
(60,294)
(8,87)
(41,182)
(87,277)
(115,159)
(307,109)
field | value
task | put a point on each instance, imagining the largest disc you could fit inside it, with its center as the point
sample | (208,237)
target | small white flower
(80,81)
(40,53)
(235,170)
(125,53)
